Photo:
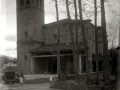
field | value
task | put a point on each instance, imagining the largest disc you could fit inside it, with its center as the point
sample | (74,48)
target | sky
(7,29)
(8,25)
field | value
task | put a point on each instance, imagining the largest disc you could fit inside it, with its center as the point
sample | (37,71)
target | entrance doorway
(52,65)
(45,64)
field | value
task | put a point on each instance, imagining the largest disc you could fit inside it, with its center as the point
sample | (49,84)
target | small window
(55,36)
(41,4)
(92,31)
(37,2)
(26,35)
(40,1)
(25,57)
(22,2)
(28,2)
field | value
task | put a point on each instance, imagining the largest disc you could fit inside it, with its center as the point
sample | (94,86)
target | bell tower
(30,18)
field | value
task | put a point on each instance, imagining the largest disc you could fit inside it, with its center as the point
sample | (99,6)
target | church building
(37,41)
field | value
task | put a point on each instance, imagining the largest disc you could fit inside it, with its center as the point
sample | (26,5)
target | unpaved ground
(41,86)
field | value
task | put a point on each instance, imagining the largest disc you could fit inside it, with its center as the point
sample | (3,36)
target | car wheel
(13,82)
(6,82)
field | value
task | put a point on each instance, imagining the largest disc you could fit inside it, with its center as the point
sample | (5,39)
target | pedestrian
(21,80)
(21,75)
(45,73)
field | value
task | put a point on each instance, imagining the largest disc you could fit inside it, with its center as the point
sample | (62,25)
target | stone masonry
(30,18)
(33,33)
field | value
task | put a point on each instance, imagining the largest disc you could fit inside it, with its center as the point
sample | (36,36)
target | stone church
(37,42)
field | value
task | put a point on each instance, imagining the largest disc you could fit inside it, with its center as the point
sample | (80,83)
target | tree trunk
(85,42)
(96,44)
(58,43)
(71,32)
(76,49)
(105,45)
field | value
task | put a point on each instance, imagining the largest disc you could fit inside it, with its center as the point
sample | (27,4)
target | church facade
(37,42)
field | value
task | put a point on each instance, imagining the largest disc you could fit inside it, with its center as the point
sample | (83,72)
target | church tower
(30,18)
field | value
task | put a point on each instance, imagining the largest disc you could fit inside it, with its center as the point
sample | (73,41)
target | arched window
(26,35)
(25,57)
(21,2)
(28,2)
(41,4)
(37,2)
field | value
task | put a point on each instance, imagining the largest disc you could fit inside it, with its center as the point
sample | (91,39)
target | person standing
(21,78)
(21,75)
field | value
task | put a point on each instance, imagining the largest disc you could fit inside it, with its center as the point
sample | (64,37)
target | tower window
(37,2)
(41,4)
(28,2)
(25,57)
(40,1)
(22,2)
(26,35)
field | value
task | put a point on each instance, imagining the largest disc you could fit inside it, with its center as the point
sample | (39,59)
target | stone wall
(35,81)
(30,19)
(31,32)
(50,33)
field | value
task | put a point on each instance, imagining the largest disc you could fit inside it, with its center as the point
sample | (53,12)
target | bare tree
(58,42)
(113,14)
(72,38)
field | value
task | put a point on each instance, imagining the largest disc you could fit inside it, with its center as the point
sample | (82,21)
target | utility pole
(96,43)
(118,67)
(58,44)
(105,45)
(119,36)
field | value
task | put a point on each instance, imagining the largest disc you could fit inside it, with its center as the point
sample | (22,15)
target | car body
(9,77)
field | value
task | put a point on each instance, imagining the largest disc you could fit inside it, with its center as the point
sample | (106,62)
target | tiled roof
(48,48)
(61,22)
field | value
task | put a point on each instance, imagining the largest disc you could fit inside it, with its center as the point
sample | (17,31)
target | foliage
(72,85)
(113,19)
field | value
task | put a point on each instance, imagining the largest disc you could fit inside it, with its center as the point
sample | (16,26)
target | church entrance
(45,64)
(52,66)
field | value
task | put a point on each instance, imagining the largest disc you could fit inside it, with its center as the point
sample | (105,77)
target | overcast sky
(8,23)
(8,30)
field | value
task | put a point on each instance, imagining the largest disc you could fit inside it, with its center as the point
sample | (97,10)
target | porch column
(80,65)
(68,65)
(29,55)
(32,65)
(90,61)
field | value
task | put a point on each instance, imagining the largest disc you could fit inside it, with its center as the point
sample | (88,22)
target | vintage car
(9,77)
